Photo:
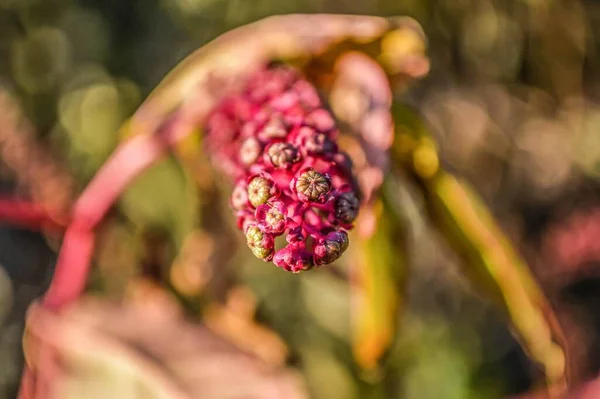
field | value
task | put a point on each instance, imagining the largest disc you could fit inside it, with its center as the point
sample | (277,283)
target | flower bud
(311,185)
(272,217)
(250,151)
(313,142)
(346,207)
(261,244)
(319,144)
(260,189)
(331,248)
(340,237)
(239,196)
(273,129)
(293,259)
(295,236)
(282,154)
(321,120)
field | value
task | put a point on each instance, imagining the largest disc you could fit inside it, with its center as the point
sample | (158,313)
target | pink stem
(312,231)
(312,228)
(328,206)
(73,264)
(72,267)
(112,179)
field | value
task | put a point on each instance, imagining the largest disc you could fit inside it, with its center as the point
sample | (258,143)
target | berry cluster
(277,141)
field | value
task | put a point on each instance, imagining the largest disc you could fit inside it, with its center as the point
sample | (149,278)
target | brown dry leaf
(103,350)
(191,270)
(235,321)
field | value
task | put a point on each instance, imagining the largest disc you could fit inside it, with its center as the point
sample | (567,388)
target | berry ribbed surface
(277,141)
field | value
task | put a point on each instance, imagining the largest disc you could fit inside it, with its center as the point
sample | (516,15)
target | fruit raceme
(277,141)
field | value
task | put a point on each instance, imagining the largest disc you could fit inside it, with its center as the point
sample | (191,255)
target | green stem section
(378,279)
(490,261)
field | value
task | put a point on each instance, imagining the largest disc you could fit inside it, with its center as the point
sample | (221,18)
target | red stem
(26,214)
(72,268)
(76,252)
(128,161)
(73,264)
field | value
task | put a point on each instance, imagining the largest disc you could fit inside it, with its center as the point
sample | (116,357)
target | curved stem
(74,259)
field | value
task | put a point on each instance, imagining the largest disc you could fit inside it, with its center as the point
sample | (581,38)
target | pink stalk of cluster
(277,141)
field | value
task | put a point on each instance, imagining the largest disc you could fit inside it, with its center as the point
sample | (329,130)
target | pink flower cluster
(277,141)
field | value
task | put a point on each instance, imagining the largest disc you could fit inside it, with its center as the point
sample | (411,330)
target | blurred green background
(512,98)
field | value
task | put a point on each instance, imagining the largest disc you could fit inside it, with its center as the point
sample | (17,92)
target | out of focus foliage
(512,99)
